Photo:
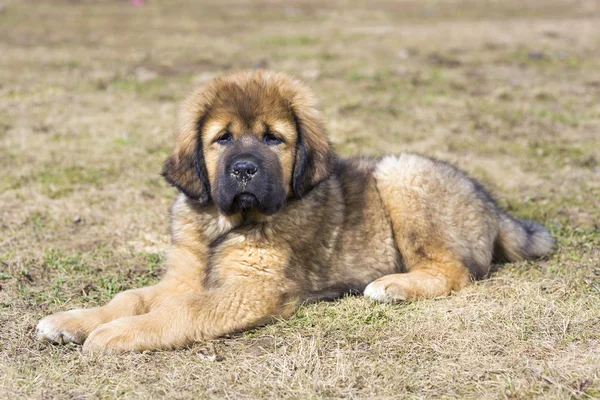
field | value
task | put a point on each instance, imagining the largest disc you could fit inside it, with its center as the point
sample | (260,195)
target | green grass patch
(285,41)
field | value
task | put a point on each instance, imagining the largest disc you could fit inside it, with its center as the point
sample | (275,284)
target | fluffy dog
(268,217)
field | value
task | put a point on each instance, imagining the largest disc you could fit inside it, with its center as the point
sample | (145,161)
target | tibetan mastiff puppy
(268,218)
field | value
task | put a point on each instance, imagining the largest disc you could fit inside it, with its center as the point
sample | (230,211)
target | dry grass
(508,90)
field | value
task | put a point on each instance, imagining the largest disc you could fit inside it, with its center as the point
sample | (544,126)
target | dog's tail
(521,239)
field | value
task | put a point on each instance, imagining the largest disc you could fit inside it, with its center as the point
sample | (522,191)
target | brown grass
(508,90)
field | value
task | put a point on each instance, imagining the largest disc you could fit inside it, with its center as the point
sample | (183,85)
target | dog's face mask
(249,163)
(249,141)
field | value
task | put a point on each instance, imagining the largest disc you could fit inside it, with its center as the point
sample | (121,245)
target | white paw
(48,331)
(376,291)
(61,328)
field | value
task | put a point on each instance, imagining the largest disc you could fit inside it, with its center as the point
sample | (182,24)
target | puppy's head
(248,141)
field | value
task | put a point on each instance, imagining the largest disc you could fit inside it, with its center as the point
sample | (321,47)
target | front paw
(67,327)
(118,336)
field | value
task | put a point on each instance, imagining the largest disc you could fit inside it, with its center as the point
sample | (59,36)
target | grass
(506,90)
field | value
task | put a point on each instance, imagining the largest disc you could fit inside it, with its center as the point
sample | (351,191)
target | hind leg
(443,227)
(429,279)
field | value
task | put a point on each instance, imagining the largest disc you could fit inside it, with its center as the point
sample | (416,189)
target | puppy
(267,217)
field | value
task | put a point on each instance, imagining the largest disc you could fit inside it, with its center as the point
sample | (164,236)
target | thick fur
(305,226)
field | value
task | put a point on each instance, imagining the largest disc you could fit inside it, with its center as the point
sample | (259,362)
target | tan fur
(399,228)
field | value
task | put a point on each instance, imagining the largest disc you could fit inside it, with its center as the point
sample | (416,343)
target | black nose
(244,170)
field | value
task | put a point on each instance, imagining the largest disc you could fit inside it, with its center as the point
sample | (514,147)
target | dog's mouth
(245,201)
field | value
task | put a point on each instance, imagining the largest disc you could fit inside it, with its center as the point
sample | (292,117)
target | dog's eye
(225,138)
(271,139)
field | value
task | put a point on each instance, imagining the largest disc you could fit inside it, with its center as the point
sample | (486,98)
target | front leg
(74,326)
(245,287)
(190,318)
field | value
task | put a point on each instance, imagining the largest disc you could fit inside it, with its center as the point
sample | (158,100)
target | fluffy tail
(521,239)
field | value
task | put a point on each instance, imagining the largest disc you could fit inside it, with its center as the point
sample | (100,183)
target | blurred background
(508,90)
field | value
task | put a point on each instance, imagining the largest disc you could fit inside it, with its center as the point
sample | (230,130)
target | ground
(507,90)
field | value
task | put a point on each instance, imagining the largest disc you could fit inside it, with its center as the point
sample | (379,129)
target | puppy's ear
(185,168)
(315,158)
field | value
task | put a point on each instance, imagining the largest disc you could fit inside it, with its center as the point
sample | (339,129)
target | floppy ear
(314,156)
(185,168)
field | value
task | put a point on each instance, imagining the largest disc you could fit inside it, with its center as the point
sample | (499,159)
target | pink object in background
(138,3)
